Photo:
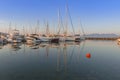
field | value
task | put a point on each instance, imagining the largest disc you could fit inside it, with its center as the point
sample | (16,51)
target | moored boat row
(16,37)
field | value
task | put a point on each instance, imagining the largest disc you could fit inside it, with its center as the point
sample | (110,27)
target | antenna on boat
(45,28)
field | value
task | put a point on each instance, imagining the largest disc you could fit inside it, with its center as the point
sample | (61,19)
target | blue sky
(96,16)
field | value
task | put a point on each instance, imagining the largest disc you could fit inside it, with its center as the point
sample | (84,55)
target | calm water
(64,61)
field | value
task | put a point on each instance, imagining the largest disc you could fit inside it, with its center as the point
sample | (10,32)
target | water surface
(64,61)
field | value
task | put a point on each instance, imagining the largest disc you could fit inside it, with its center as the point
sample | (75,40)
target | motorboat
(32,39)
(14,37)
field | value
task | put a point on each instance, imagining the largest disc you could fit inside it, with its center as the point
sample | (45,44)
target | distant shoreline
(97,38)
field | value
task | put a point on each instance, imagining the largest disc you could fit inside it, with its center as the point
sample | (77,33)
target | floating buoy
(88,55)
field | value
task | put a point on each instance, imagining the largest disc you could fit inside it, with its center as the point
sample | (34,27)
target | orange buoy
(88,55)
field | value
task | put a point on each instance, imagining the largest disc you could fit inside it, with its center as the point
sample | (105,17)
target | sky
(96,16)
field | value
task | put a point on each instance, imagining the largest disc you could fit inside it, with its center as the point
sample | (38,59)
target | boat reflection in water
(118,42)
(44,44)
(15,46)
(1,45)
(88,60)
(33,46)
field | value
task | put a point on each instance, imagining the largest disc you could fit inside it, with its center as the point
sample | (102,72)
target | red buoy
(88,55)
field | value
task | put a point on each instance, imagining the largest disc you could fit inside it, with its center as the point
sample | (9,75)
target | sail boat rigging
(69,37)
(70,19)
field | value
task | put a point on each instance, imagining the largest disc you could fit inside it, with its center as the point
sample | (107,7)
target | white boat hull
(70,39)
(45,39)
(32,41)
(14,41)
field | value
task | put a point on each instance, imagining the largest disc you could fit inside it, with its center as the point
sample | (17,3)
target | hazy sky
(96,16)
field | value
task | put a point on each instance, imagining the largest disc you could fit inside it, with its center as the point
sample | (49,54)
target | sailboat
(78,37)
(45,37)
(48,37)
(69,37)
(73,37)
(14,36)
(56,39)
(33,38)
(60,24)
(3,38)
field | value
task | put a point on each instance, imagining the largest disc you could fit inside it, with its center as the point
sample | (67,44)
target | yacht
(3,38)
(44,38)
(54,40)
(14,37)
(32,39)
(70,38)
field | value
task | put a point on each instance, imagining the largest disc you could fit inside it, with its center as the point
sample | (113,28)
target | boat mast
(23,30)
(9,28)
(37,27)
(58,22)
(47,29)
(82,28)
(15,26)
(66,23)
(68,12)
(61,22)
